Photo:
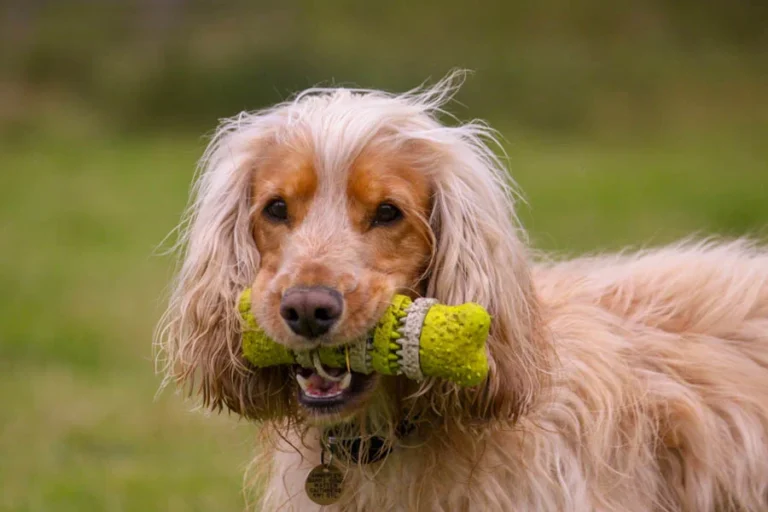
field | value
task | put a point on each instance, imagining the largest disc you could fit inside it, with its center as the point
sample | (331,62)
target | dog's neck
(359,450)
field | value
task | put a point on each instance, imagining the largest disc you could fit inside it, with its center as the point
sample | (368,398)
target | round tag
(323,485)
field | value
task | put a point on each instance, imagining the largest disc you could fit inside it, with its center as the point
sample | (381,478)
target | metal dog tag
(324,484)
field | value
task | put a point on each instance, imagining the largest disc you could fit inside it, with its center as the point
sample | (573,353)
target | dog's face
(327,206)
(336,243)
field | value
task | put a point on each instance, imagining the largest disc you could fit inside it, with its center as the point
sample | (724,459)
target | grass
(80,427)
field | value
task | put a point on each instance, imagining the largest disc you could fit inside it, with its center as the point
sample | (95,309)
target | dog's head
(327,206)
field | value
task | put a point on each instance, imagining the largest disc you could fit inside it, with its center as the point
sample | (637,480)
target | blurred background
(625,122)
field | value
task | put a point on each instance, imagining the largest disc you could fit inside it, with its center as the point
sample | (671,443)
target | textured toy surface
(416,338)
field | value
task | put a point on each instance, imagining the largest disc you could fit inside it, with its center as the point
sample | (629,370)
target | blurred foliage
(552,66)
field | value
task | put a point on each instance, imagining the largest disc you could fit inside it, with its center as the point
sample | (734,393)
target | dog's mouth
(335,392)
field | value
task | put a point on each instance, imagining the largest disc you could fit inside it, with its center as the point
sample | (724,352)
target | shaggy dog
(635,382)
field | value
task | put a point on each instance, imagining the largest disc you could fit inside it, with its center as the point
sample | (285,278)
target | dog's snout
(311,312)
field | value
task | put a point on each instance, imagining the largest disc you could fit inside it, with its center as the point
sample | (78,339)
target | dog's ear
(199,337)
(480,257)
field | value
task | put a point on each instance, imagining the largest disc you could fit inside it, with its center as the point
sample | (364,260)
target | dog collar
(355,451)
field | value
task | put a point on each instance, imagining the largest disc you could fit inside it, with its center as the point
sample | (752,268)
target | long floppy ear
(480,257)
(199,336)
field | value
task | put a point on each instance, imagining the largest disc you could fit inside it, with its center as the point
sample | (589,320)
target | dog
(629,382)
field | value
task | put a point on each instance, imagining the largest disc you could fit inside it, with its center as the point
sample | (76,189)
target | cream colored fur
(636,382)
(659,401)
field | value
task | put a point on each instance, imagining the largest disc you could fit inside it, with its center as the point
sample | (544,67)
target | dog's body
(626,383)
(659,402)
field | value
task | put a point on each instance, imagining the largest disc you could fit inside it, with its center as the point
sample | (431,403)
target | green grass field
(82,287)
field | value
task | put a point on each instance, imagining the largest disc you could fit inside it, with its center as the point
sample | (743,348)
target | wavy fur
(633,382)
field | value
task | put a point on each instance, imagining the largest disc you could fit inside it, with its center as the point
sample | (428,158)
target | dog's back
(663,388)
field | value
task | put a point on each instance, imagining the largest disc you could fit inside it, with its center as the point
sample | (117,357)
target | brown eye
(386,214)
(276,210)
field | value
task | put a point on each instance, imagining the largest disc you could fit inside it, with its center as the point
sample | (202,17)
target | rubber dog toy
(417,339)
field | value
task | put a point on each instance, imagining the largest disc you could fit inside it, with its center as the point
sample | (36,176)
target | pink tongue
(319,383)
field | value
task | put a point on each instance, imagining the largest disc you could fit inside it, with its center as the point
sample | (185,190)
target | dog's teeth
(345,381)
(302,382)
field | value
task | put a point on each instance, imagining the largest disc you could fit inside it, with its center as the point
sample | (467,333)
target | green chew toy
(417,339)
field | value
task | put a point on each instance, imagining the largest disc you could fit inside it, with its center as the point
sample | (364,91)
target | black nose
(311,312)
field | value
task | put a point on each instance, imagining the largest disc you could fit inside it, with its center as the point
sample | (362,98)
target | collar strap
(354,450)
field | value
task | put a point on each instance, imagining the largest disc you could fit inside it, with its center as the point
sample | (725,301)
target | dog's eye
(386,214)
(276,210)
